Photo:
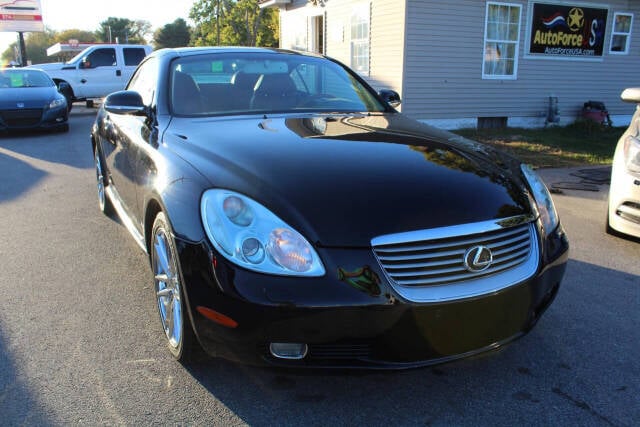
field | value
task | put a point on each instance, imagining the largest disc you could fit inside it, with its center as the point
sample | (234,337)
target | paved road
(80,341)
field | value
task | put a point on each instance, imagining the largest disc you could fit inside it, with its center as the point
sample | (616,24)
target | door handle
(118,73)
(83,81)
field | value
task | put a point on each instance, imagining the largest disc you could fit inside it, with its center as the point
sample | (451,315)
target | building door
(317,34)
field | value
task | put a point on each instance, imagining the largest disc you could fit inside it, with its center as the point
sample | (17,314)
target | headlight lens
(251,236)
(59,102)
(542,197)
(632,154)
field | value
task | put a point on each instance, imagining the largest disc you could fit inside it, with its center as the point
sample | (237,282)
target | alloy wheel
(167,288)
(100,182)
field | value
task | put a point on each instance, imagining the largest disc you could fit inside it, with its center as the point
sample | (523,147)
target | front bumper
(28,119)
(347,325)
(624,200)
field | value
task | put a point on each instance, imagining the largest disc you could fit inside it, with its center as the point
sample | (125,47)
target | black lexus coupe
(293,217)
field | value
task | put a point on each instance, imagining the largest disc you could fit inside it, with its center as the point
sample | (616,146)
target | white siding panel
(387,24)
(443,73)
(387,44)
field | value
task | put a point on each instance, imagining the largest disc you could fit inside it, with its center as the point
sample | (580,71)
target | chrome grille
(432,258)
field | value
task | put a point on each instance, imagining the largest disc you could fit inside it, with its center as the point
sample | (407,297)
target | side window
(501,41)
(621,34)
(105,57)
(144,81)
(360,44)
(133,55)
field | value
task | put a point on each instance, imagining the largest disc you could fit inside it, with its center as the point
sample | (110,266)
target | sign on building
(567,31)
(21,15)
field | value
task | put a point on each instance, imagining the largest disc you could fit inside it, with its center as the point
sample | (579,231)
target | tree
(176,34)
(75,34)
(36,44)
(234,22)
(123,30)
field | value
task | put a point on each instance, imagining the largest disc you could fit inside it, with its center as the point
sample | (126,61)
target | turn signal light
(219,318)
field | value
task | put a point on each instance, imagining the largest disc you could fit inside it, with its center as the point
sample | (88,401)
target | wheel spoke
(162,277)
(177,319)
(165,293)
(161,252)
(170,327)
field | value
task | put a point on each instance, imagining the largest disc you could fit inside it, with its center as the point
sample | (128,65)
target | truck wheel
(67,92)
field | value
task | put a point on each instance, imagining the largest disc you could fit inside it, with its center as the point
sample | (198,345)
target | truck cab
(97,71)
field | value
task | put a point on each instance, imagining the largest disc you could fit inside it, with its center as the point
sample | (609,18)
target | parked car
(30,100)
(624,194)
(292,217)
(96,71)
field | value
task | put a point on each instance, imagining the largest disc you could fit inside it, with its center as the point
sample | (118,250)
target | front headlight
(632,154)
(59,102)
(542,197)
(251,236)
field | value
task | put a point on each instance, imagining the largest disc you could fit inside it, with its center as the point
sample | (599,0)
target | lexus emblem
(20,104)
(478,259)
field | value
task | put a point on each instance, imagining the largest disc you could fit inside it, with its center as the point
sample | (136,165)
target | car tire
(68,94)
(104,203)
(169,292)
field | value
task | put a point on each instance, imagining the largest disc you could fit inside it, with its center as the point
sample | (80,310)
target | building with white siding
(475,62)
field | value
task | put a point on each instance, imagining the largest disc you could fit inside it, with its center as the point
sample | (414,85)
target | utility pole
(23,50)
(218,24)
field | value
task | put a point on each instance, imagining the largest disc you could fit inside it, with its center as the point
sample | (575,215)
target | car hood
(48,66)
(343,180)
(28,97)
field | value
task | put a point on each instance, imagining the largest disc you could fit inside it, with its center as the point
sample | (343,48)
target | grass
(579,144)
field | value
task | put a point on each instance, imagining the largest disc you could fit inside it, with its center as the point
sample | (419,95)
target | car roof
(188,51)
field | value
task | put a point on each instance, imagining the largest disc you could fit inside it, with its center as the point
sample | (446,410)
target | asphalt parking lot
(80,341)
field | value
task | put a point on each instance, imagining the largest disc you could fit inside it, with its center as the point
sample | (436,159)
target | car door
(119,149)
(137,142)
(100,73)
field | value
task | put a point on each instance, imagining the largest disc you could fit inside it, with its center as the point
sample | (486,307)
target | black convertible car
(292,217)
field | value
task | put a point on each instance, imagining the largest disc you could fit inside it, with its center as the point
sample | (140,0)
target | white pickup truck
(96,71)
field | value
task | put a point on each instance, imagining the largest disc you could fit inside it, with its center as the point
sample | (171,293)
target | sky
(87,14)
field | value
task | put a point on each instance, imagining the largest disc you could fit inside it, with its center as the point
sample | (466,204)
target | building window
(299,29)
(621,34)
(360,39)
(501,41)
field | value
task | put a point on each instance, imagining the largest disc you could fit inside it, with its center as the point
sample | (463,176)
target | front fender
(175,187)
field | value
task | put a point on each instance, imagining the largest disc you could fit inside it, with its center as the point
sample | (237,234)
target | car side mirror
(391,97)
(85,63)
(125,102)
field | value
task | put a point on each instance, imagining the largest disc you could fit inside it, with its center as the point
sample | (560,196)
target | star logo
(576,19)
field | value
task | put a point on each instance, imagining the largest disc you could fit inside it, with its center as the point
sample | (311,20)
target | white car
(624,194)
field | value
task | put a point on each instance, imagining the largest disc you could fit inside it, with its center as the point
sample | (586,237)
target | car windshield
(15,78)
(249,83)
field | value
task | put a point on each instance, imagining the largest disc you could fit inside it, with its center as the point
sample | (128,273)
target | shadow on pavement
(17,177)
(72,148)
(576,366)
(17,404)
